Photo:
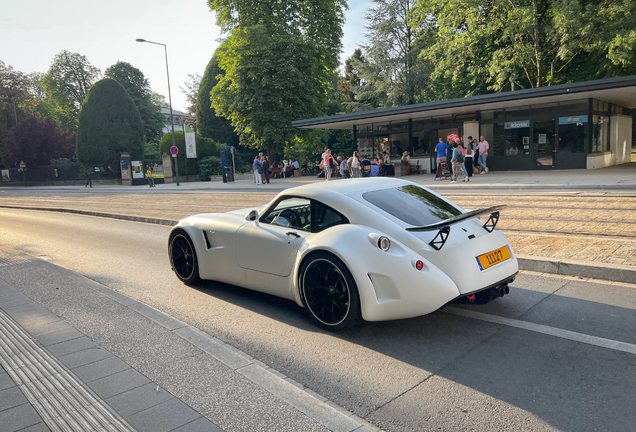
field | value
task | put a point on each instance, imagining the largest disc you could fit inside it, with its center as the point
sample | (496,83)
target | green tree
(67,83)
(208,123)
(191,91)
(138,87)
(109,124)
(15,100)
(278,60)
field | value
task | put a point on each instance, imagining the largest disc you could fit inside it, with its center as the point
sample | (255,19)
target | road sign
(174,150)
(22,164)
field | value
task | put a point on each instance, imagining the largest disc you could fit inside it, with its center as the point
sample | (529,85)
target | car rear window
(412,204)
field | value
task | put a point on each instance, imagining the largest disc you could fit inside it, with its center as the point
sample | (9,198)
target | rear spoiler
(444,226)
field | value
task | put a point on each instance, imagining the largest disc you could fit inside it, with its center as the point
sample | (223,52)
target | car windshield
(412,204)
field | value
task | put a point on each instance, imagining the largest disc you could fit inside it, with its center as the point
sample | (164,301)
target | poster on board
(137,169)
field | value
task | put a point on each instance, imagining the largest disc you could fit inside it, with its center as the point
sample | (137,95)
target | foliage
(210,166)
(191,91)
(208,123)
(109,124)
(151,151)
(67,83)
(36,142)
(206,147)
(138,87)
(15,99)
(278,61)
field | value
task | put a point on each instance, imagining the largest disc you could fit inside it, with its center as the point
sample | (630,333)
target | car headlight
(384,243)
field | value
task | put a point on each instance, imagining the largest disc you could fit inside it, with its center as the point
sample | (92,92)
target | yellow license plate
(490,259)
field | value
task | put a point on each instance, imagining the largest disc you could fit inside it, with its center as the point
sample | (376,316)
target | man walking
(483,147)
(258,170)
(89,179)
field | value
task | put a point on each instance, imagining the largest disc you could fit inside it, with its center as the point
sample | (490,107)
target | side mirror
(252,216)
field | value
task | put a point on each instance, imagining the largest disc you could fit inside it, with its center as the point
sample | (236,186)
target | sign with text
(137,169)
(190,142)
(517,124)
(573,120)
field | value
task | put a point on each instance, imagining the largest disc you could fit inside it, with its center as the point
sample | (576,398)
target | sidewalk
(77,356)
(615,178)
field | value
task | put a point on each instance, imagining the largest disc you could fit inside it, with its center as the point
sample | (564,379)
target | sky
(32,32)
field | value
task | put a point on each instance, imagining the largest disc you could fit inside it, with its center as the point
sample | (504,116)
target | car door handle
(292,234)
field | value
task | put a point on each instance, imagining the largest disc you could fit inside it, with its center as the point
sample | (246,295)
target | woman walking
(468,162)
(355,165)
(258,170)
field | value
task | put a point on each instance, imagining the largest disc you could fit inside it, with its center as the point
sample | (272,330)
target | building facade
(580,125)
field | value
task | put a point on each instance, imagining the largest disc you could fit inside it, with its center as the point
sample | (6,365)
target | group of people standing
(263,170)
(464,159)
(348,167)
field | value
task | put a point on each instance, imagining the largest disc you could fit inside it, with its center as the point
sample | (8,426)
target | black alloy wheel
(183,258)
(329,292)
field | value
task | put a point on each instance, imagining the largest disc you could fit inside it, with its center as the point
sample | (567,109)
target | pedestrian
(151,182)
(461,147)
(468,162)
(442,150)
(89,179)
(258,170)
(475,147)
(329,163)
(457,160)
(265,163)
(483,147)
(355,165)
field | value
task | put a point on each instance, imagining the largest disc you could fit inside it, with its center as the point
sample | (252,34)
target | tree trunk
(271,153)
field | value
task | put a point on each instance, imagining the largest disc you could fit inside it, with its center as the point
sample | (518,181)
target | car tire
(329,293)
(183,257)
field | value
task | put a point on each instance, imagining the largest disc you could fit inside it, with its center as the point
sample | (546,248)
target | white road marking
(552,331)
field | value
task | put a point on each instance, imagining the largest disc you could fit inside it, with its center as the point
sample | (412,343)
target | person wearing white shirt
(355,165)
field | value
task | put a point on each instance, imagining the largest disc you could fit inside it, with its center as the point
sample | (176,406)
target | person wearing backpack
(457,160)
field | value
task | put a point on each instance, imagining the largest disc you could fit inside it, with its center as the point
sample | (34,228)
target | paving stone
(164,417)
(59,336)
(100,369)
(118,383)
(84,357)
(40,427)
(28,322)
(50,327)
(200,425)
(71,346)
(18,418)
(5,380)
(138,399)
(11,397)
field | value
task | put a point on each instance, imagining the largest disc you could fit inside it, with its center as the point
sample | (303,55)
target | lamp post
(169,99)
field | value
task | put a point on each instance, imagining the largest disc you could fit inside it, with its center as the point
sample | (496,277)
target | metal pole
(185,153)
(174,143)
(196,146)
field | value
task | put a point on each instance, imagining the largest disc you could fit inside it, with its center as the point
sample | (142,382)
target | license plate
(490,259)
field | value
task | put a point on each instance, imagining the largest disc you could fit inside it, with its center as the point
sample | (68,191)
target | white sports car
(373,249)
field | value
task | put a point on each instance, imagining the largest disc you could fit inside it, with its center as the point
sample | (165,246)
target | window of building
(600,133)
(509,138)
(572,133)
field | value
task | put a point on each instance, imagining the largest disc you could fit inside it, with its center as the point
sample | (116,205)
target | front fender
(389,285)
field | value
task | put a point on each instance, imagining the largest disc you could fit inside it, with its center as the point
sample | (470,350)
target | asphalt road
(542,371)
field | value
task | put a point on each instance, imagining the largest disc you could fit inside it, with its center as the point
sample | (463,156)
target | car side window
(290,213)
(326,217)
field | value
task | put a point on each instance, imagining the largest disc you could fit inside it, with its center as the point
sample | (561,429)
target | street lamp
(169,99)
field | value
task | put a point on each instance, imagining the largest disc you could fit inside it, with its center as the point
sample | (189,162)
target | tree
(191,91)
(67,83)
(138,87)
(278,61)
(15,100)
(208,123)
(36,142)
(109,124)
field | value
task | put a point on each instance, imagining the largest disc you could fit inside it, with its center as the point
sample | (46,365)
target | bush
(109,125)
(210,166)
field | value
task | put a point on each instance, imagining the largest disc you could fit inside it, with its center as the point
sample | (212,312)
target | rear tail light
(471,298)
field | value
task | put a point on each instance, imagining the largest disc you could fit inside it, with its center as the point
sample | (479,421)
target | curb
(614,272)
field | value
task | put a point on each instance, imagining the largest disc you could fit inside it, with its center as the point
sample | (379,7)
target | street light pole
(169,99)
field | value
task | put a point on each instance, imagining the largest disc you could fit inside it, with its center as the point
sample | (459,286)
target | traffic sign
(174,150)
(22,164)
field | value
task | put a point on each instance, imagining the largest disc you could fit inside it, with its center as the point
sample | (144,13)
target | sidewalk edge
(611,272)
